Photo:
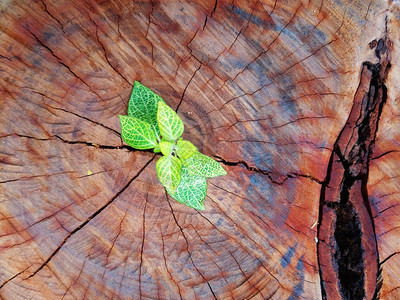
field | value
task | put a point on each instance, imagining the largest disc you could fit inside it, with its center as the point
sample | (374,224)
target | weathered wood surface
(266,86)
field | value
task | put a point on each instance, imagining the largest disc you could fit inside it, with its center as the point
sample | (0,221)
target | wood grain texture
(347,248)
(264,86)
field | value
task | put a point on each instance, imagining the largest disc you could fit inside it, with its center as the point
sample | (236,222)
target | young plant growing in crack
(182,170)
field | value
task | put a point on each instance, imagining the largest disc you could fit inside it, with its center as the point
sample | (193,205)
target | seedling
(182,170)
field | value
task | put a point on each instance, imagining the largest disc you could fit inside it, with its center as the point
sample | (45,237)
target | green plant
(182,170)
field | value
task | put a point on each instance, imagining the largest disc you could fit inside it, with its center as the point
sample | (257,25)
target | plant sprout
(182,170)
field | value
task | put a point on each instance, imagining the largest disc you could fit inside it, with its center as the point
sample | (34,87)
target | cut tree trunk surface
(299,100)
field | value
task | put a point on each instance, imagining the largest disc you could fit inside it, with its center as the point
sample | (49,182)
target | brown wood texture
(266,87)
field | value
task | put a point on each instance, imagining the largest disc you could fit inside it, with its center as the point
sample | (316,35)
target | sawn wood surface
(265,87)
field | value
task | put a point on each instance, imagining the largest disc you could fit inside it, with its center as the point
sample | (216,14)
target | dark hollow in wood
(347,249)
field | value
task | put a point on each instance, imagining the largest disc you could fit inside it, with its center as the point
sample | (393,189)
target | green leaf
(136,133)
(203,165)
(185,149)
(191,190)
(143,105)
(157,149)
(166,147)
(169,172)
(171,126)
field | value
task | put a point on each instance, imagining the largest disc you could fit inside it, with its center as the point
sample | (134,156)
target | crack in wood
(119,231)
(52,215)
(389,257)
(60,61)
(89,144)
(249,17)
(269,174)
(269,46)
(166,265)
(211,14)
(105,53)
(266,172)
(246,278)
(247,235)
(347,248)
(75,114)
(51,16)
(187,85)
(187,247)
(5,57)
(211,258)
(147,31)
(11,278)
(83,224)
(54,55)
(73,282)
(142,246)
(35,176)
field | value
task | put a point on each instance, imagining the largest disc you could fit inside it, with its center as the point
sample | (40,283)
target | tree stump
(299,101)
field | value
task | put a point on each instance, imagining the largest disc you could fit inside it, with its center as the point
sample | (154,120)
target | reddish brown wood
(347,248)
(265,86)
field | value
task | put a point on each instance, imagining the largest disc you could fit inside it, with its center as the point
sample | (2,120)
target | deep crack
(267,173)
(347,248)
(89,144)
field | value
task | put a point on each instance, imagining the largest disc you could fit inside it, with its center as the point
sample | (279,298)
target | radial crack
(14,276)
(83,224)
(187,248)
(187,85)
(142,247)
(166,265)
(85,118)
(105,54)
(51,16)
(90,144)
(61,62)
